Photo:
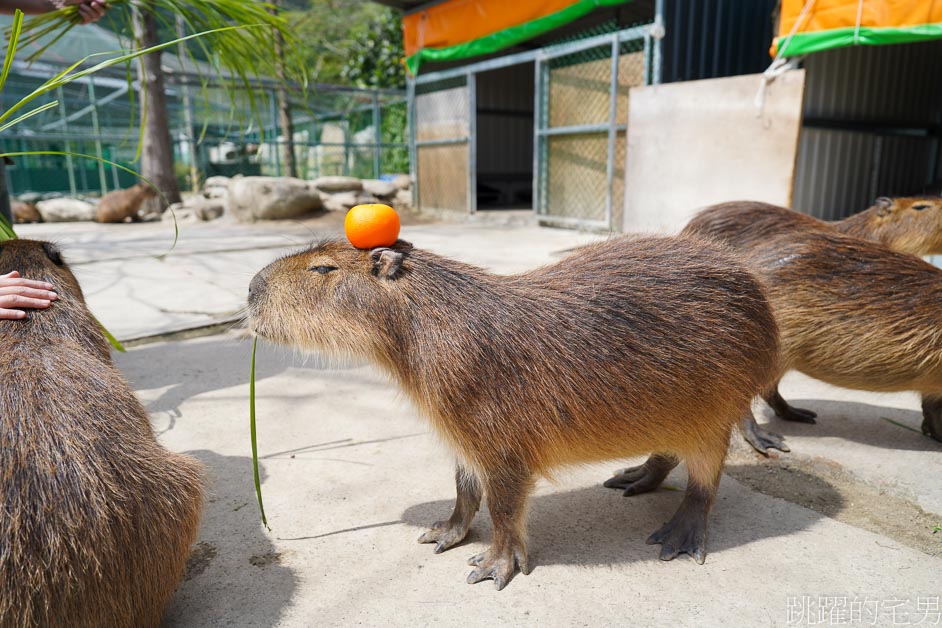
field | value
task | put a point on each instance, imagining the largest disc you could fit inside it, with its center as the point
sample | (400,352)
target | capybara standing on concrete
(119,205)
(626,347)
(852,313)
(96,518)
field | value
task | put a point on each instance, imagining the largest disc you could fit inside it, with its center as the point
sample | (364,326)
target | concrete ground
(839,530)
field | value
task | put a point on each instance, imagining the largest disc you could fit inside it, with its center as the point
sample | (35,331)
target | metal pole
(472,143)
(5,210)
(188,114)
(274,126)
(97,131)
(612,109)
(537,127)
(413,152)
(346,146)
(658,34)
(377,136)
(63,116)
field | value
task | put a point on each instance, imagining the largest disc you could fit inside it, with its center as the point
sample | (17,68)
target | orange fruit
(369,226)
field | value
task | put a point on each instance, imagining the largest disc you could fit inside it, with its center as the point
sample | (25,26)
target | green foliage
(393,130)
(376,53)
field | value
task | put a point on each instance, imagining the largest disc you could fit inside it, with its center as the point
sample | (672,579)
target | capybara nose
(257,286)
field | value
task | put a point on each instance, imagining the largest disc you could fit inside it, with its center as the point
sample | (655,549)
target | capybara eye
(921,206)
(323,270)
(53,253)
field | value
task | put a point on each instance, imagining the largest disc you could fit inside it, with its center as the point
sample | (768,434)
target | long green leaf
(258,482)
(111,339)
(6,230)
(40,109)
(11,47)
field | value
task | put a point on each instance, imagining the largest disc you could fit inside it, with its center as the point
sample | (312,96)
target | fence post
(63,116)
(378,136)
(5,210)
(102,180)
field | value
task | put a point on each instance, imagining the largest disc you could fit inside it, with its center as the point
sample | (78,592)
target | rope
(780,65)
(857,26)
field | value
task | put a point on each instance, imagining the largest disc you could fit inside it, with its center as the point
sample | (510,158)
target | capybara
(97,518)
(119,205)
(851,312)
(24,212)
(626,347)
(906,224)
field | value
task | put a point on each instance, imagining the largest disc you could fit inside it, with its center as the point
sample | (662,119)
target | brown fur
(25,212)
(97,518)
(906,224)
(625,347)
(119,205)
(851,312)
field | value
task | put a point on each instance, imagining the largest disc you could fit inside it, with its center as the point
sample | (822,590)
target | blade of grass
(6,230)
(111,339)
(258,483)
(48,105)
(902,425)
(11,47)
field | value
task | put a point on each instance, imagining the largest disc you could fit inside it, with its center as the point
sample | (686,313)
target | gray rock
(66,210)
(341,202)
(181,215)
(403,199)
(30,197)
(403,182)
(210,210)
(366,199)
(270,198)
(380,189)
(217,182)
(216,191)
(338,184)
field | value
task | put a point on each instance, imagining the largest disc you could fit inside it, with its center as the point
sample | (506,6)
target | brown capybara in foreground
(852,313)
(24,212)
(122,204)
(905,224)
(626,347)
(96,518)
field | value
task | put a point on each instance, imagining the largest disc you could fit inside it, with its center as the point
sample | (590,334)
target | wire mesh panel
(443,127)
(580,128)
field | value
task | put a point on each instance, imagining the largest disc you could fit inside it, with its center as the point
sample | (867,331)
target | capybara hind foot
(499,564)
(686,531)
(932,417)
(787,412)
(761,439)
(645,477)
(449,533)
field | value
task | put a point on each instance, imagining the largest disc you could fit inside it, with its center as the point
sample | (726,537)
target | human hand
(16,292)
(89,10)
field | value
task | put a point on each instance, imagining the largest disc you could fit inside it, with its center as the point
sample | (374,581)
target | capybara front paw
(761,439)
(798,415)
(635,480)
(445,534)
(681,535)
(498,565)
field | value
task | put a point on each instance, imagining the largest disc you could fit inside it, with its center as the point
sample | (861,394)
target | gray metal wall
(714,38)
(871,127)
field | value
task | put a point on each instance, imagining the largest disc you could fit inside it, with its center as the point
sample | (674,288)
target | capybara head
(911,224)
(66,317)
(331,297)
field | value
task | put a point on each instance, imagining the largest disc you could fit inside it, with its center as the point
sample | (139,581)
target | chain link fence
(337,131)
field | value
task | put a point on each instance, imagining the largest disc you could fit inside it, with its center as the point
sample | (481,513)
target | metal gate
(444,144)
(581,117)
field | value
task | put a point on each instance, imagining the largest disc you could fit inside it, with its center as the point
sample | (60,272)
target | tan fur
(97,518)
(25,212)
(625,347)
(119,205)
(851,312)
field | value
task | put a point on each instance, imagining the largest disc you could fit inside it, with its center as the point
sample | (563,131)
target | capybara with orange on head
(626,347)
(851,312)
(120,205)
(97,518)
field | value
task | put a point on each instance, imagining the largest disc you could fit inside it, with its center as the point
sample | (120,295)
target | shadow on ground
(599,526)
(234,576)
(186,370)
(876,426)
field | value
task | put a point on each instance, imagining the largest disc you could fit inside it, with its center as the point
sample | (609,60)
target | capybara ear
(884,205)
(52,252)
(386,262)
